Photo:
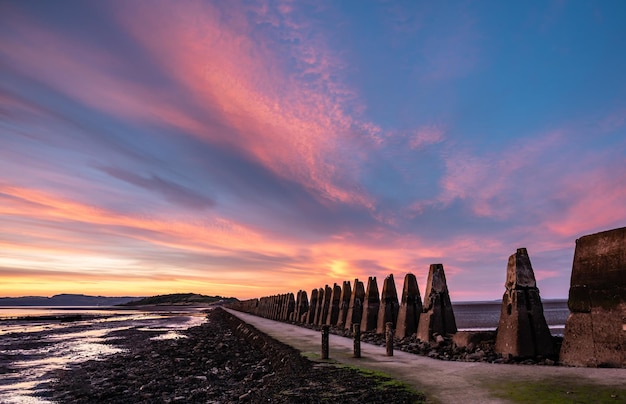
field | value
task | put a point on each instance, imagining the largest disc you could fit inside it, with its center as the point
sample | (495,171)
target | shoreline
(222,360)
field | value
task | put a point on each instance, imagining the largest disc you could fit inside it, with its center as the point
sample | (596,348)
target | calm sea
(484,316)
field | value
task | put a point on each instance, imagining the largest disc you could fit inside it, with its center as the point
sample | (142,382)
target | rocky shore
(221,361)
(478,347)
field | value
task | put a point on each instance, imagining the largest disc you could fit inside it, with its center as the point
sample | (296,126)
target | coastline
(222,360)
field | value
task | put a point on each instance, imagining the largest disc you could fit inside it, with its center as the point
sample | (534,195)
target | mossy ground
(386,382)
(557,390)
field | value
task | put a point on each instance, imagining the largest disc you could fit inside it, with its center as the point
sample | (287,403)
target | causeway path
(443,381)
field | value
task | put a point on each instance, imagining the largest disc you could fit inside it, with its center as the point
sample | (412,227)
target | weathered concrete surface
(355,309)
(522,330)
(320,304)
(333,310)
(371,305)
(328,291)
(388,310)
(410,308)
(302,307)
(344,304)
(595,331)
(437,314)
(310,316)
(442,381)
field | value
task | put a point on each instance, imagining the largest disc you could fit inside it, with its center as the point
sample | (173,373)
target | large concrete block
(333,309)
(410,308)
(320,304)
(522,329)
(355,309)
(371,305)
(344,304)
(437,314)
(389,306)
(595,331)
(310,316)
(328,291)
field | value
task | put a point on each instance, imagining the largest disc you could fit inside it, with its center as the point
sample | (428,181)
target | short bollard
(389,338)
(356,331)
(325,348)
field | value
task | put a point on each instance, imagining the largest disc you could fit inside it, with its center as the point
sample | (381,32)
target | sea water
(484,316)
(36,341)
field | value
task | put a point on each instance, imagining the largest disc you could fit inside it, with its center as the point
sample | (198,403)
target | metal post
(325,348)
(389,338)
(356,331)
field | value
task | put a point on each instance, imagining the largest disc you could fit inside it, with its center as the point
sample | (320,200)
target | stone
(522,330)
(333,309)
(410,308)
(595,331)
(325,305)
(389,306)
(437,315)
(355,308)
(320,304)
(470,339)
(310,317)
(371,305)
(303,307)
(344,304)
(290,306)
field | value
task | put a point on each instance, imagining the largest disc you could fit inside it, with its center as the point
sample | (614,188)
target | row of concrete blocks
(344,306)
(595,332)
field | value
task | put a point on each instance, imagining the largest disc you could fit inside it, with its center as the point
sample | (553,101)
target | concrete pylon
(371,305)
(389,306)
(333,309)
(320,304)
(310,317)
(344,304)
(437,315)
(522,330)
(325,305)
(303,307)
(595,331)
(410,308)
(289,306)
(355,308)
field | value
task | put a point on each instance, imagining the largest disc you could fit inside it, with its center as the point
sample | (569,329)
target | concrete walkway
(446,382)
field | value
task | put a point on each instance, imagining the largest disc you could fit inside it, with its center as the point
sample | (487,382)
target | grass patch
(385,382)
(557,390)
(311,356)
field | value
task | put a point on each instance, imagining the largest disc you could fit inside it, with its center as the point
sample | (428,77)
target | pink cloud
(595,202)
(292,121)
(426,135)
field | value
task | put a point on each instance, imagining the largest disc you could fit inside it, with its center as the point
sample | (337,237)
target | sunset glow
(262,147)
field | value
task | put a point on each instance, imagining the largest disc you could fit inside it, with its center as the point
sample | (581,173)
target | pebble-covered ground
(221,361)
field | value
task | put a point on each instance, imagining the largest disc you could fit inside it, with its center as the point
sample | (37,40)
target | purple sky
(252,148)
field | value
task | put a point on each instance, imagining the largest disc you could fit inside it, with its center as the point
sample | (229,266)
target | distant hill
(66,300)
(180,299)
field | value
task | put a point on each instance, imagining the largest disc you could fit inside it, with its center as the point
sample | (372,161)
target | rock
(371,305)
(522,329)
(437,314)
(410,308)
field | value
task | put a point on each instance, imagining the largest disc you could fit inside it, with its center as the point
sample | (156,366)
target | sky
(249,148)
